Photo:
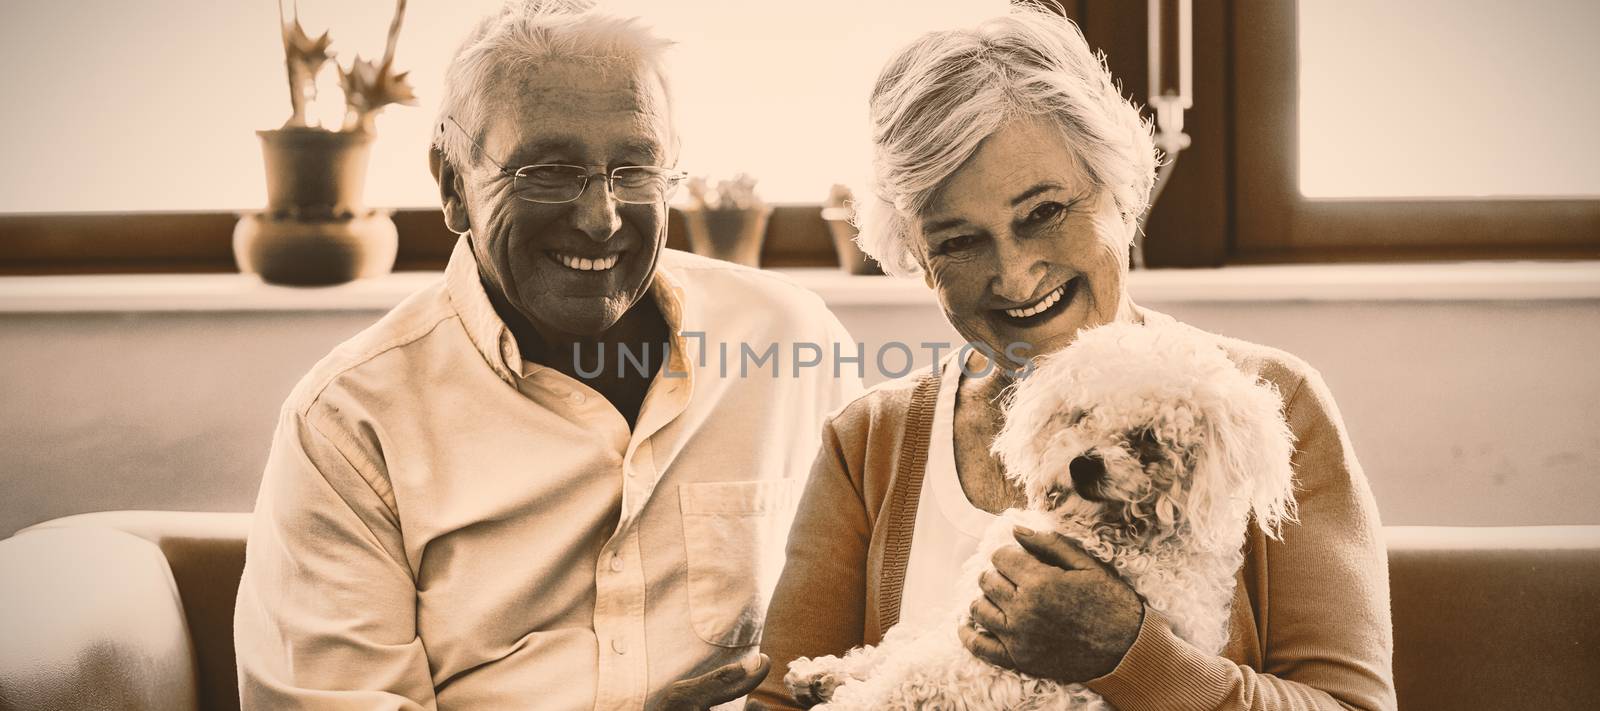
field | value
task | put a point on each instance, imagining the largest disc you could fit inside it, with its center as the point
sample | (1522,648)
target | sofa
(133,610)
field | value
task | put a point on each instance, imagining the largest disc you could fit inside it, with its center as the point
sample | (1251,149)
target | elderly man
(527,486)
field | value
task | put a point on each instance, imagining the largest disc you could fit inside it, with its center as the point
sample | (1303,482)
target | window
(135,144)
(1292,95)
(1338,174)
(129,142)
(1448,98)
(152,106)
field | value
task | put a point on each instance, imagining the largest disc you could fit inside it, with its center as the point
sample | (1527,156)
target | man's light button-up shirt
(444,525)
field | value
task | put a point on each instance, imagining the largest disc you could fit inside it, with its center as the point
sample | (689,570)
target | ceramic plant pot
(316,229)
(734,235)
(851,258)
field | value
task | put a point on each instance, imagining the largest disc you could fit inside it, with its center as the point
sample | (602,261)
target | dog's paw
(812,681)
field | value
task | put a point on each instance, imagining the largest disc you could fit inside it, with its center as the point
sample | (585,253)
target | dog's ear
(1271,486)
(1244,467)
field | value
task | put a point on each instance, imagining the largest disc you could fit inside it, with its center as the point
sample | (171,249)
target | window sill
(1469,281)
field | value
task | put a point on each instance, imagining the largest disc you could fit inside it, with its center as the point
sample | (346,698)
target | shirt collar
(471,303)
(668,290)
(495,342)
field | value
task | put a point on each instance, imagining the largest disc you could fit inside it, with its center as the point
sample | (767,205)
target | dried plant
(736,194)
(368,86)
(304,58)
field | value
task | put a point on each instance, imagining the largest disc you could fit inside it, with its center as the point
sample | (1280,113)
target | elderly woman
(1010,175)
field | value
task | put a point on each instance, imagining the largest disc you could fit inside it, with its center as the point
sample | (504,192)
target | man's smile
(584,264)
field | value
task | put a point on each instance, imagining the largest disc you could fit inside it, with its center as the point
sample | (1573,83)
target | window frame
(1191,225)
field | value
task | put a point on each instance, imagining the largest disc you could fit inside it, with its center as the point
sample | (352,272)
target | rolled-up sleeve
(326,613)
(1328,637)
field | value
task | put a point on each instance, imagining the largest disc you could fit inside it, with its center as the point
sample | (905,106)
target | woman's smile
(1043,310)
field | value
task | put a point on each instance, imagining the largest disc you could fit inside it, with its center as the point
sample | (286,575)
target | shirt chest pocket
(733,535)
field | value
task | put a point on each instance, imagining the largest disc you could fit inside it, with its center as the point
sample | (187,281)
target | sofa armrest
(205,551)
(91,619)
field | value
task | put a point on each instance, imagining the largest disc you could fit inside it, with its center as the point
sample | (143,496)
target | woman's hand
(1052,611)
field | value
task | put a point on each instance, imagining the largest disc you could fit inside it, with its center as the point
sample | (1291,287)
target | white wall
(147,410)
(1463,411)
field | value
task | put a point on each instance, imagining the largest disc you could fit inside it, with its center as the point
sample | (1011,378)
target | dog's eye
(1142,443)
(1054,496)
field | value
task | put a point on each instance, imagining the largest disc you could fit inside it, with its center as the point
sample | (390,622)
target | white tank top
(948,526)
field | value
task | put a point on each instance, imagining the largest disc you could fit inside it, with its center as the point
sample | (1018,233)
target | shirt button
(619,646)
(577,398)
(616,563)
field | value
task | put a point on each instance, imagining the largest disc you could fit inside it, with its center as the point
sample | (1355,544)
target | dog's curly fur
(1191,449)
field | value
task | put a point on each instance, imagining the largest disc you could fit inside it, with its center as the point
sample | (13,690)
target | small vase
(730,235)
(316,229)
(851,258)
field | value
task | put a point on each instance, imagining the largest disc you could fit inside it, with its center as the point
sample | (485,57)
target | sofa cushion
(1496,617)
(90,619)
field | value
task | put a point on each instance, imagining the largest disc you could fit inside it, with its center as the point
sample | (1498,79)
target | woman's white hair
(525,34)
(942,95)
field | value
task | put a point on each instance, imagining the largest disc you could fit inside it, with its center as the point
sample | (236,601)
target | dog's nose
(1088,471)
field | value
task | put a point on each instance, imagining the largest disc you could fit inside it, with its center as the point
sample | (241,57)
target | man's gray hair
(524,35)
(942,95)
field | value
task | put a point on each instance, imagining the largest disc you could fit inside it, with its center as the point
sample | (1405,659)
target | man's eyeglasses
(552,183)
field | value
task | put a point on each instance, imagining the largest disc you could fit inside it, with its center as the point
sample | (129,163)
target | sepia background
(1404,194)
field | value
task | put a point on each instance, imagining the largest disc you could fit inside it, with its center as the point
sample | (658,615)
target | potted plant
(840,216)
(316,228)
(728,220)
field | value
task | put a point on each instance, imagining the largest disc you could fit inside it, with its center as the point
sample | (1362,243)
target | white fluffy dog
(1149,448)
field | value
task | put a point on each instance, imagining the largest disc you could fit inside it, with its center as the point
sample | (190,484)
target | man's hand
(1052,611)
(720,685)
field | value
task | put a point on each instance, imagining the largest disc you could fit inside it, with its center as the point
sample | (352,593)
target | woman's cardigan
(1309,629)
